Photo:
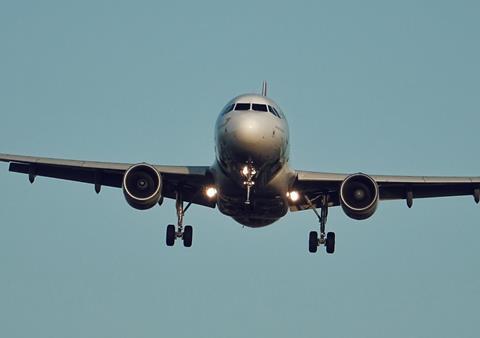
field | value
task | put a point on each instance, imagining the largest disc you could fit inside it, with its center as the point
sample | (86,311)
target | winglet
(264,88)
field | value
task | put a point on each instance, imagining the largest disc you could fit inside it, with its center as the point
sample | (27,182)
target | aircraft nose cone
(250,136)
(249,131)
(254,137)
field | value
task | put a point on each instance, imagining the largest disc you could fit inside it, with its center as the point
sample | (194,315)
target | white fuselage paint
(261,139)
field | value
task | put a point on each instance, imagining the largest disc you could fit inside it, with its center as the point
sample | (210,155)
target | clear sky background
(376,86)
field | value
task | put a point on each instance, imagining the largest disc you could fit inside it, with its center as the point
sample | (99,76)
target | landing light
(211,192)
(248,171)
(293,195)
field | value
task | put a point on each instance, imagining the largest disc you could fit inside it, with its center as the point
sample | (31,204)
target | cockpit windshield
(259,107)
(242,106)
(274,111)
(251,106)
(227,109)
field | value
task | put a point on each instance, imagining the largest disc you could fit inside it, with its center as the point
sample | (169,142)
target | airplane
(250,180)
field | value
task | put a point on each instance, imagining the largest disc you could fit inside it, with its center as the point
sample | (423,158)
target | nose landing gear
(174,232)
(249,173)
(328,240)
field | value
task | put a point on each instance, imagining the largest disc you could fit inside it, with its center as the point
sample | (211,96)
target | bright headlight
(211,192)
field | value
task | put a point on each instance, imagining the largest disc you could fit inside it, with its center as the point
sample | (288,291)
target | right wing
(190,180)
(390,187)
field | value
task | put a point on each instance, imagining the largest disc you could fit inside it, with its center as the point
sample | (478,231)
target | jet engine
(359,196)
(142,186)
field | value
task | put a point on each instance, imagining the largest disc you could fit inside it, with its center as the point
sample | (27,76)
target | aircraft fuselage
(251,136)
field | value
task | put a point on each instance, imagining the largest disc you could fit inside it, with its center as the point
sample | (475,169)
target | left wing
(190,180)
(314,184)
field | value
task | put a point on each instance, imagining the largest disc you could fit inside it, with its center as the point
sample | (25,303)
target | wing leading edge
(191,180)
(390,187)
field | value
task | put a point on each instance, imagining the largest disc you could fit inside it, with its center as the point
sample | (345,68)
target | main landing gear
(328,240)
(174,232)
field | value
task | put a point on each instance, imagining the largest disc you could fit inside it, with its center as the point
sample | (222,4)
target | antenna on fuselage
(264,88)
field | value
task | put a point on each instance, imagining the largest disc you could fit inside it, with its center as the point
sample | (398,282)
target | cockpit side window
(259,107)
(274,111)
(227,109)
(242,106)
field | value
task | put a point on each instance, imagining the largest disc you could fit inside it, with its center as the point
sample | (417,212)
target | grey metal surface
(328,177)
(64,162)
(180,170)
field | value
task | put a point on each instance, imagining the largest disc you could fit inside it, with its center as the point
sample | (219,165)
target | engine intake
(142,186)
(359,196)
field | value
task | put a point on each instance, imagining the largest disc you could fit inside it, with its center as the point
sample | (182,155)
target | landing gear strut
(328,240)
(174,232)
(249,173)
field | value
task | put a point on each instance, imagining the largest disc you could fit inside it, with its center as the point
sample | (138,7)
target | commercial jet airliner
(250,180)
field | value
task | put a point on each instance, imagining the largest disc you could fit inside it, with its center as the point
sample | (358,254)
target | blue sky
(375,86)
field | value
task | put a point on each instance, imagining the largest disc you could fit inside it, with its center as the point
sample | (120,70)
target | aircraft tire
(171,234)
(330,242)
(187,236)
(313,241)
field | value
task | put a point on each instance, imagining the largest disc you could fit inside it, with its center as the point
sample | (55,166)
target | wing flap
(64,162)
(111,178)
(426,190)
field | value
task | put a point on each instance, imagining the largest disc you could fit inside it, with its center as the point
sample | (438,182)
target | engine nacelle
(142,186)
(359,196)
